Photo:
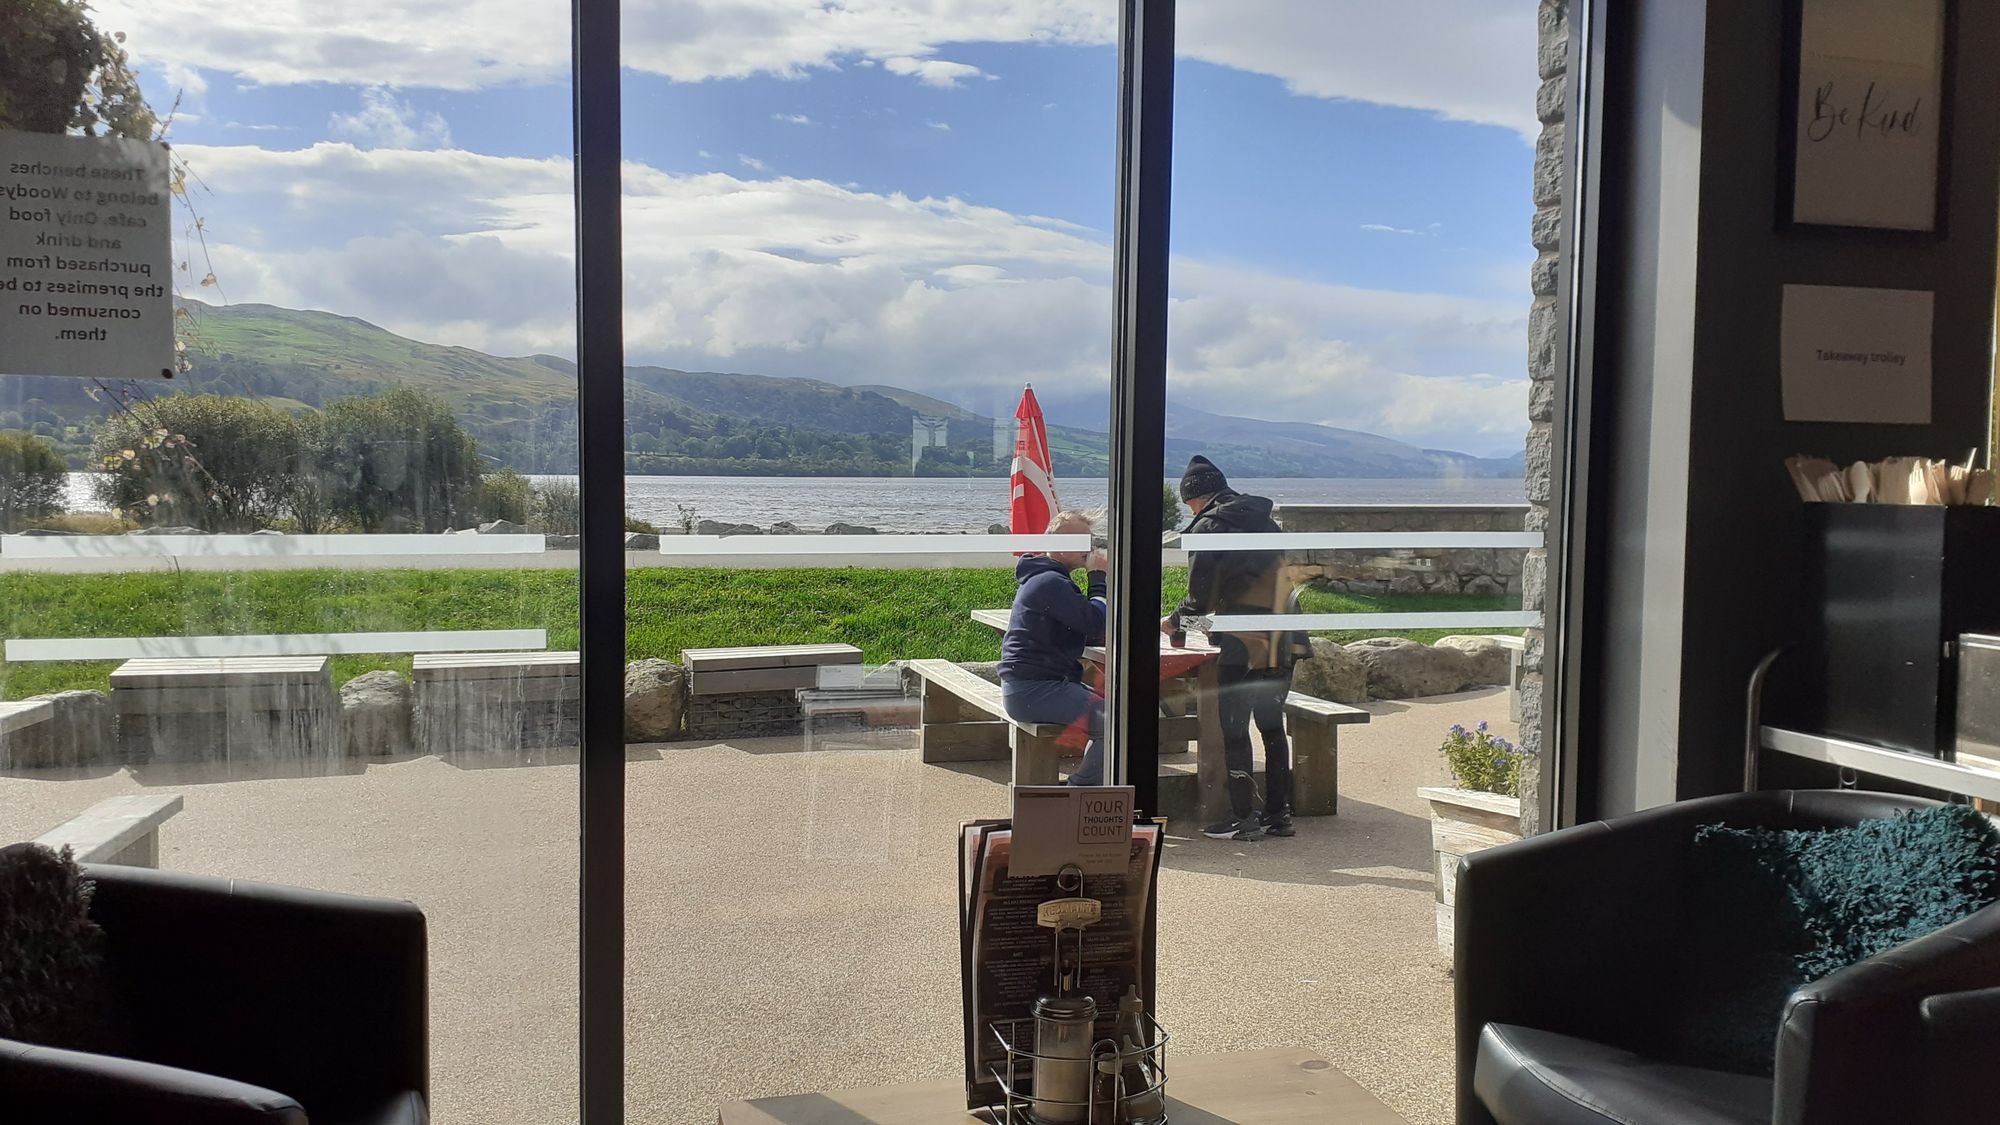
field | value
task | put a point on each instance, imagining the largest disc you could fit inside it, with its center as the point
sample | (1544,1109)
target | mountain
(522,411)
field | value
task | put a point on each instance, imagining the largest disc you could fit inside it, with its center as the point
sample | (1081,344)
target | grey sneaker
(1245,829)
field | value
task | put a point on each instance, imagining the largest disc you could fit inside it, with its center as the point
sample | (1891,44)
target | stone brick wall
(1545,320)
(748,714)
(1418,570)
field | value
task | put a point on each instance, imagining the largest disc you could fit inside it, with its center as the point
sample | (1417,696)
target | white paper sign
(1868,114)
(85,257)
(1056,825)
(1856,355)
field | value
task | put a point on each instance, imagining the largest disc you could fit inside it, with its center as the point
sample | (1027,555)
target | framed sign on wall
(1867,138)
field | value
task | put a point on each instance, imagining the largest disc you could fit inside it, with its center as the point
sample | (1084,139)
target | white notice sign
(85,257)
(1057,825)
(1870,94)
(1856,355)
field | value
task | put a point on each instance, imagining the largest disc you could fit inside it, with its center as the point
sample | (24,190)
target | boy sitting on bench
(1041,658)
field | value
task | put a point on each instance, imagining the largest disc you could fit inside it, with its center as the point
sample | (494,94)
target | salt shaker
(1063,1068)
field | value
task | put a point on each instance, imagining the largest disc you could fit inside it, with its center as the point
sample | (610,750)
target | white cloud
(1431,230)
(933,72)
(792,118)
(1471,60)
(801,277)
(940,126)
(752,163)
(384,122)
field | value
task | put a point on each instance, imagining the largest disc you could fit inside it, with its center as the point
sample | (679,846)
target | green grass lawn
(890,614)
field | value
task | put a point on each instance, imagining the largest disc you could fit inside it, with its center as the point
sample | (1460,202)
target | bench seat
(1314,726)
(751,691)
(121,830)
(231,710)
(496,705)
(961,712)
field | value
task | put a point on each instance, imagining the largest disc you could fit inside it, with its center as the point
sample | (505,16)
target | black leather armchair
(1566,948)
(228,1002)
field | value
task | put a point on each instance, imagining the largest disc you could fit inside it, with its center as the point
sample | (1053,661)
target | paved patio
(791,915)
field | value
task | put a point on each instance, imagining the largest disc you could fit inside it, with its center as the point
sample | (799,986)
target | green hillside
(522,411)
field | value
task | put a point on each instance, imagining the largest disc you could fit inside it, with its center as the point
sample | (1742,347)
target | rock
(848,529)
(267,531)
(1332,674)
(1487,659)
(714,527)
(78,734)
(501,527)
(168,531)
(785,527)
(562,542)
(998,529)
(375,716)
(1403,669)
(1408,584)
(641,541)
(1481,584)
(655,696)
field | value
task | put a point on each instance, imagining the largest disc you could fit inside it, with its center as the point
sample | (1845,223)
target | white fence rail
(30,650)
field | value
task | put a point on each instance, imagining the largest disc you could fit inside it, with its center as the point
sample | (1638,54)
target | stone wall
(1419,570)
(1545,355)
(747,714)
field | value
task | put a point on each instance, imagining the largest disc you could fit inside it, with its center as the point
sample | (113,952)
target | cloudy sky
(916,192)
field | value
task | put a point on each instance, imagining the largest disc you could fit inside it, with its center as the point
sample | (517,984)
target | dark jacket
(1051,622)
(1240,582)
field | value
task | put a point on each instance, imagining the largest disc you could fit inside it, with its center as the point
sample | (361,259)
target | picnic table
(1195,658)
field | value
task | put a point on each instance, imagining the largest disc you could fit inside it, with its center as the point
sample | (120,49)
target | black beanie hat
(1202,478)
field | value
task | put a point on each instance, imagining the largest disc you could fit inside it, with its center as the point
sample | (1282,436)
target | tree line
(387,462)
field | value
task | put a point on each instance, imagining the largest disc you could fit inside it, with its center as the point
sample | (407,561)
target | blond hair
(1069,516)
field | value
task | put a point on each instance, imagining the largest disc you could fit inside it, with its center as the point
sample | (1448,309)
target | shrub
(399,461)
(505,495)
(85,523)
(1482,760)
(557,509)
(643,527)
(32,480)
(1170,509)
(208,461)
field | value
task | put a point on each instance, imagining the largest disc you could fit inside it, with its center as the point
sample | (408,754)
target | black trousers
(1255,696)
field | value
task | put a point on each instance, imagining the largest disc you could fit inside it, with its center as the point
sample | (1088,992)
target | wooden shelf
(1917,769)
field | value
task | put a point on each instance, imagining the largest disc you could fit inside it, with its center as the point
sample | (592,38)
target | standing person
(1041,658)
(1255,669)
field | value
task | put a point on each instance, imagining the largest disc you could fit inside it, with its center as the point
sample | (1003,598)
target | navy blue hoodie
(1051,622)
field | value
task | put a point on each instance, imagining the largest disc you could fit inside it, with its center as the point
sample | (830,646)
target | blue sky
(916,192)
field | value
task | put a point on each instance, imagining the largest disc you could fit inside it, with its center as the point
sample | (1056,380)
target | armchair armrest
(322,996)
(51,1086)
(1854,1044)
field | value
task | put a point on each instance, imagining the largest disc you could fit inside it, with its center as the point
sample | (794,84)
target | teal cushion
(1790,906)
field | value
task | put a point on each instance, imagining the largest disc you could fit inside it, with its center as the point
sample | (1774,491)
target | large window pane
(1347,346)
(375,290)
(846,258)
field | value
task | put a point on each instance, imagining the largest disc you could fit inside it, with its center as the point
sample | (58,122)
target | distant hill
(522,410)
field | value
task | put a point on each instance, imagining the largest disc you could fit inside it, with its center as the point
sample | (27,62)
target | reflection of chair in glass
(226,1002)
(1574,993)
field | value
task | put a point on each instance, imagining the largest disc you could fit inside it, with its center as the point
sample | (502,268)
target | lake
(935,504)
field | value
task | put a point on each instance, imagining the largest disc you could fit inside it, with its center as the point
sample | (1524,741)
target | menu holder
(1006,957)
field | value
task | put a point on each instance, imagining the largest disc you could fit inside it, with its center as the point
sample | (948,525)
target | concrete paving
(791,914)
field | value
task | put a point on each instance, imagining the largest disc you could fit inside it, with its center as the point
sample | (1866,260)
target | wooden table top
(1278,1087)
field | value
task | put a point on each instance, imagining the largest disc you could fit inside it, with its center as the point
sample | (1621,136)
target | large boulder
(79,733)
(716,527)
(501,527)
(998,529)
(641,541)
(1488,660)
(848,529)
(1332,673)
(1399,668)
(375,716)
(655,696)
(785,527)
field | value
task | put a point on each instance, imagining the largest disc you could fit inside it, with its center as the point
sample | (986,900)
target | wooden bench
(1314,725)
(495,703)
(752,691)
(121,830)
(960,714)
(231,710)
